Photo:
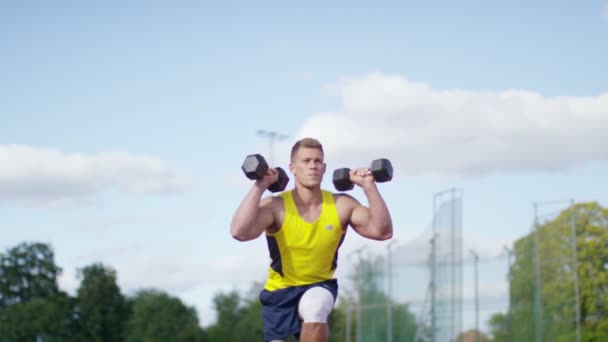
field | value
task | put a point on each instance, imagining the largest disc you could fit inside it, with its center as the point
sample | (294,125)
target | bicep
(265,218)
(360,219)
(357,215)
(266,215)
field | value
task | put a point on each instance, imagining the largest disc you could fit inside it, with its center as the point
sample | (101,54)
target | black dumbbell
(382,169)
(255,167)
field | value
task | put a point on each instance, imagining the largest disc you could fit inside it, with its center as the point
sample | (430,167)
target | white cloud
(170,266)
(46,176)
(459,133)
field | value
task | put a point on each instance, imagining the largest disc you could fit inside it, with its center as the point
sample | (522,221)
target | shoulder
(343,200)
(345,205)
(274,202)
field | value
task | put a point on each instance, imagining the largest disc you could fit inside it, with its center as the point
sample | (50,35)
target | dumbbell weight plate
(254,166)
(382,169)
(341,180)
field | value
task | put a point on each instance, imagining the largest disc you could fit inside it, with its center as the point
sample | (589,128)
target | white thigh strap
(316,305)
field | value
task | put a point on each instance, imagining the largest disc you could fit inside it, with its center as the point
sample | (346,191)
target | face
(308,166)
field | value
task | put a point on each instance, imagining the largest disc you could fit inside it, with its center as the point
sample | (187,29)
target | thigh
(315,305)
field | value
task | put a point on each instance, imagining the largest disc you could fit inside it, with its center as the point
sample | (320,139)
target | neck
(307,196)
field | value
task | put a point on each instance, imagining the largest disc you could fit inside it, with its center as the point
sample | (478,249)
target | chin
(312,185)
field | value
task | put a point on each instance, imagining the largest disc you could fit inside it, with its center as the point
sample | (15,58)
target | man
(304,228)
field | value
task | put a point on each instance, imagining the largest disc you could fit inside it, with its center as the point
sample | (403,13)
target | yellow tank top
(304,252)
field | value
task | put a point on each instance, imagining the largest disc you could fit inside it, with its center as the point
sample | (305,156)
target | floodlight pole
(272,136)
(509,279)
(389,301)
(575,267)
(475,261)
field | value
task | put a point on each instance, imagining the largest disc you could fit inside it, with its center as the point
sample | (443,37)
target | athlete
(304,229)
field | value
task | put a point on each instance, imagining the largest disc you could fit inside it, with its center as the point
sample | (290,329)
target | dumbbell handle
(381,169)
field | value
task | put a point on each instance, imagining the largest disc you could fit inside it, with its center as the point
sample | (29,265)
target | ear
(291,168)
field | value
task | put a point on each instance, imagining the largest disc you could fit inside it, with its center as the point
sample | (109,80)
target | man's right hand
(271,177)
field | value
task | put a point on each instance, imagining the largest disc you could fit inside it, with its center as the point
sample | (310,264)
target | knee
(316,305)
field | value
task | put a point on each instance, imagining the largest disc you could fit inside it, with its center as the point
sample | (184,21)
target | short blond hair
(306,143)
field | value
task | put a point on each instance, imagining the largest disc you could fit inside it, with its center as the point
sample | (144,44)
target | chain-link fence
(414,291)
(549,285)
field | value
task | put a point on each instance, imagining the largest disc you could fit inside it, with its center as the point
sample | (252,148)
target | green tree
(592,231)
(100,307)
(48,318)
(28,271)
(337,325)
(238,317)
(228,311)
(156,316)
(556,275)
(31,303)
(499,326)
(251,323)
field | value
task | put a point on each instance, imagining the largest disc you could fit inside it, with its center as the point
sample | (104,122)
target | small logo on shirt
(329,227)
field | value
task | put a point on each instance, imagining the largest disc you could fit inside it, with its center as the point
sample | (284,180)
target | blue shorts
(280,309)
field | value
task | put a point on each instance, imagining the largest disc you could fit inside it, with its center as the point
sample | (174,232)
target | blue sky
(123,125)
